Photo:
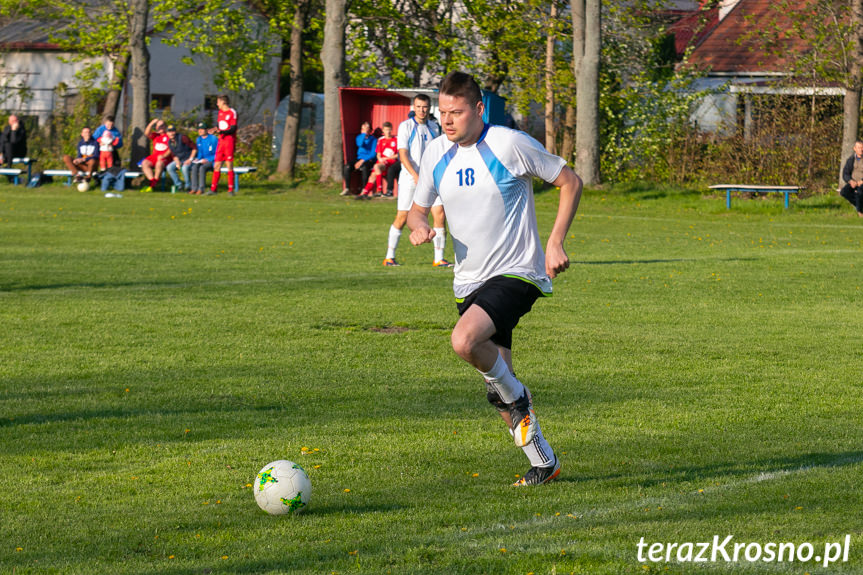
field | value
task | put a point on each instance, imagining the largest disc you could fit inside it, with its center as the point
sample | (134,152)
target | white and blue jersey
(415,138)
(487,193)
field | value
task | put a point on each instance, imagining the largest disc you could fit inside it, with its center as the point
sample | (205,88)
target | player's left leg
(544,465)
(231,176)
(439,241)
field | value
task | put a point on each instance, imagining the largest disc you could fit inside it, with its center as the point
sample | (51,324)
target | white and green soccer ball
(282,488)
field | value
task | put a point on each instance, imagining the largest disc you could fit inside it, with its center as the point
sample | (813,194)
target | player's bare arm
(405,159)
(556,260)
(418,222)
(149,128)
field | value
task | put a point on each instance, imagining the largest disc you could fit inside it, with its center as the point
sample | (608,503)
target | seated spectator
(110,141)
(387,155)
(852,174)
(155,163)
(203,161)
(13,141)
(83,164)
(114,177)
(366,145)
(393,172)
(183,152)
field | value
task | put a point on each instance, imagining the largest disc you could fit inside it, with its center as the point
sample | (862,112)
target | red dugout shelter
(376,105)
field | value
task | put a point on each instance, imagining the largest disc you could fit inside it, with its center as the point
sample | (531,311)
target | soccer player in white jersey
(483,174)
(414,136)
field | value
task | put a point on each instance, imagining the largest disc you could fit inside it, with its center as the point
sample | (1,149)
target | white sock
(503,381)
(439,242)
(393,242)
(539,453)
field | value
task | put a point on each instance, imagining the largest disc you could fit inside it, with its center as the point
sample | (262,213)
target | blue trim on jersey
(442,165)
(413,133)
(512,189)
(484,132)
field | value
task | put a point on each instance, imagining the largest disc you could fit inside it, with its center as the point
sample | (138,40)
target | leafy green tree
(402,43)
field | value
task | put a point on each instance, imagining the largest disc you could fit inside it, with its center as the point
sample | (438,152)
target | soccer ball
(83,187)
(282,488)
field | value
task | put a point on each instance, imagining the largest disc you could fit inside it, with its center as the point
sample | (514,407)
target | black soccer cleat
(540,475)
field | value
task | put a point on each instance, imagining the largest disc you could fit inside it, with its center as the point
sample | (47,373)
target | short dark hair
(109,118)
(424,97)
(224,98)
(387,125)
(461,85)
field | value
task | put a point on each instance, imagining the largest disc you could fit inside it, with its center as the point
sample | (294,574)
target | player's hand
(422,235)
(556,260)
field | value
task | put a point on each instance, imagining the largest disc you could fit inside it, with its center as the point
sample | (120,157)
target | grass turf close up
(697,370)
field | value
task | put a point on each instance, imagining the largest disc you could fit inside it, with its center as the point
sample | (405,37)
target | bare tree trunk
(577,13)
(291,135)
(568,144)
(851,101)
(118,78)
(587,106)
(333,59)
(139,79)
(550,140)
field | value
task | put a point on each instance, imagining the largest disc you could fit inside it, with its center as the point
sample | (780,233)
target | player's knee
(463,344)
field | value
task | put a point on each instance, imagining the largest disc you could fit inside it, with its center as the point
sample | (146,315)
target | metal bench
(14,173)
(728,188)
(237,171)
(60,174)
(27,162)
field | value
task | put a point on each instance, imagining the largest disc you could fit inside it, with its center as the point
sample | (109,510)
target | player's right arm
(405,159)
(418,222)
(149,129)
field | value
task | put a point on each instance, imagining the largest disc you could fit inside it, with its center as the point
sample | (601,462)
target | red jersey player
(153,164)
(226,128)
(388,154)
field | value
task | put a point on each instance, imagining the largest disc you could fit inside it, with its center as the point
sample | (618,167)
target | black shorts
(505,299)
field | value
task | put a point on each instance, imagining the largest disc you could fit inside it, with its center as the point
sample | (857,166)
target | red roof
(692,27)
(757,36)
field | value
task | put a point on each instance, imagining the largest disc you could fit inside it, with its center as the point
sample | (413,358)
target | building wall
(42,73)
(187,85)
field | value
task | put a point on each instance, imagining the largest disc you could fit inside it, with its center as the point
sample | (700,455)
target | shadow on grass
(655,261)
(755,471)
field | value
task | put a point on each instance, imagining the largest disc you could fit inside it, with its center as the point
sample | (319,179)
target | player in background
(226,128)
(483,175)
(386,154)
(414,135)
(153,164)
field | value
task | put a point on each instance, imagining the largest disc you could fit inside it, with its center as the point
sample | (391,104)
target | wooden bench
(728,188)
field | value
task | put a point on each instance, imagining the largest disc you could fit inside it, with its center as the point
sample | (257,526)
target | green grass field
(698,370)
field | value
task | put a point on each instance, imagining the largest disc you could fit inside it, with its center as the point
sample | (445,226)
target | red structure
(376,105)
